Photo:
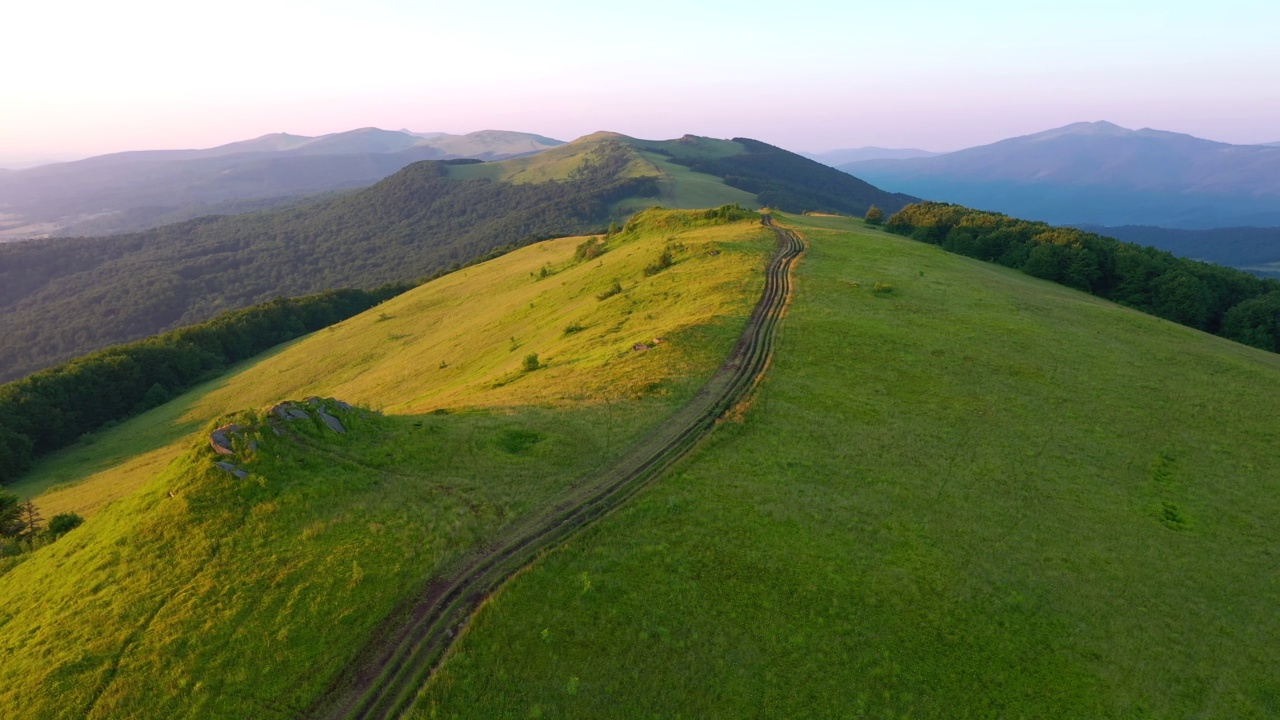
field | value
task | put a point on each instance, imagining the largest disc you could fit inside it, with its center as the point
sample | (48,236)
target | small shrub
(589,249)
(530,362)
(875,216)
(663,262)
(614,289)
(62,524)
(572,328)
(882,288)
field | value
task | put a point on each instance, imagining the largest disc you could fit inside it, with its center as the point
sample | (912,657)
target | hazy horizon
(19,163)
(142,74)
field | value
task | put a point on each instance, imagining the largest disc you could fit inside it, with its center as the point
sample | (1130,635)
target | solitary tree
(10,515)
(875,215)
(31,520)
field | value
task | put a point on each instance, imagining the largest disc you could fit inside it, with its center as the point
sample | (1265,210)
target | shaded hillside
(61,298)
(130,191)
(1102,174)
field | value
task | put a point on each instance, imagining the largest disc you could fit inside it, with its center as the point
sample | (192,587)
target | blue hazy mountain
(1099,173)
(130,191)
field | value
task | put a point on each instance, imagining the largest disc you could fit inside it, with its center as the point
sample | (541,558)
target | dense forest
(63,297)
(1213,298)
(52,408)
(791,182)
(1256,249)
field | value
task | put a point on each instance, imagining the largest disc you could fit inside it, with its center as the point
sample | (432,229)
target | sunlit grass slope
(972,495)
(678,186)
(189,593)
(460,341)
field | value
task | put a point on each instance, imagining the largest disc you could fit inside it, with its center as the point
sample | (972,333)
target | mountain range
(130,191)
(1099,173)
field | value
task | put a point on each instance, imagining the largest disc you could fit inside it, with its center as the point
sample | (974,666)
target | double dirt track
(384,678)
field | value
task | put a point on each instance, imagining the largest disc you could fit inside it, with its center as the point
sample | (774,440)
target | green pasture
(965,494)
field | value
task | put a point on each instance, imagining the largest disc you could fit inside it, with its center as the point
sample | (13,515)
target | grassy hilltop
(966,494)
(190,593)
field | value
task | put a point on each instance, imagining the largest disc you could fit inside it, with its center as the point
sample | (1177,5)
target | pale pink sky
(84,78)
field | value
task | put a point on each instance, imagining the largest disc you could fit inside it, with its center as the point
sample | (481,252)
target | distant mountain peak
(1101,173)
(1097,128)
(602,135)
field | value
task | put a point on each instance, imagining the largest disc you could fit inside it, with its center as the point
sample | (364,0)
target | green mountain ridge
(60,298)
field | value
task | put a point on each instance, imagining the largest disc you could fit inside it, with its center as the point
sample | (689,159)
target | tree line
(52,408)
(1217,299)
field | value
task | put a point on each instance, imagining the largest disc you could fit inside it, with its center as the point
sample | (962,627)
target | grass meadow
(966,494)
(189,593)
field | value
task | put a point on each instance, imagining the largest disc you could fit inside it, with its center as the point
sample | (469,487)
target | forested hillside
(62,298)
(1256,249)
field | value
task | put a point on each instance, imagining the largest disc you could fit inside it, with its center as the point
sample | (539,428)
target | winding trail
(384,678)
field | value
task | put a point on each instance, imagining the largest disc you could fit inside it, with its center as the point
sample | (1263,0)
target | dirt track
(384,678)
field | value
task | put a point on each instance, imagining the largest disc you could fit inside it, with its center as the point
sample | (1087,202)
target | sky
(84,77)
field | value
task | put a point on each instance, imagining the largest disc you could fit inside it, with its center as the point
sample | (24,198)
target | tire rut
(386,675)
